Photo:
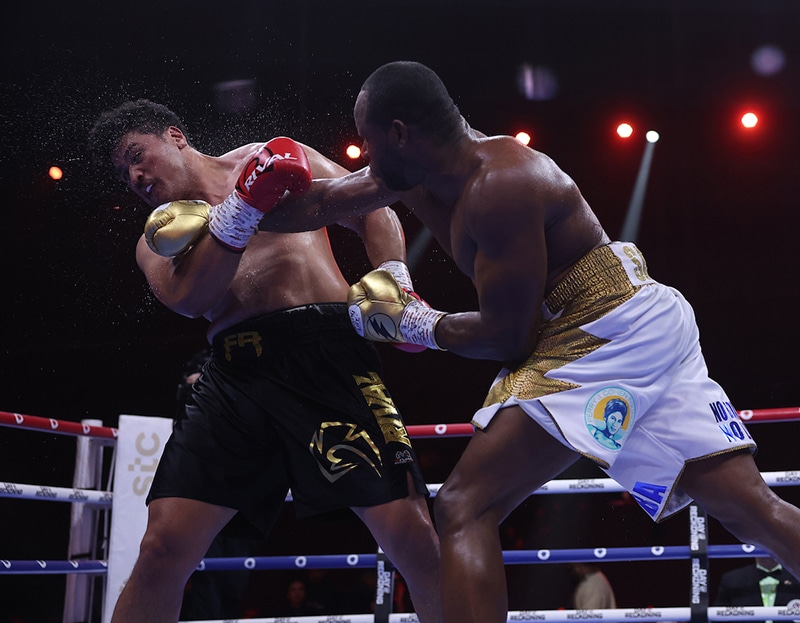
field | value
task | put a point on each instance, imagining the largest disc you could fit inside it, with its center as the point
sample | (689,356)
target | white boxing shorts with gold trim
(618,376)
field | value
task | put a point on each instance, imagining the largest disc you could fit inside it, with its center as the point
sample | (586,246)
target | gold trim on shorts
(596,285)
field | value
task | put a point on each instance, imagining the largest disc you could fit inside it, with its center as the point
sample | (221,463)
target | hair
(140,115)
(413,93)
(615,405)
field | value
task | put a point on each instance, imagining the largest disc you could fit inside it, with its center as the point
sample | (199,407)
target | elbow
(185,303)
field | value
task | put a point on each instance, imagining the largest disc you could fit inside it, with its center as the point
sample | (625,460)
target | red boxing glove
(279,165)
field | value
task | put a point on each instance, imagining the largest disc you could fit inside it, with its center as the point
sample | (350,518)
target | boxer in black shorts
(292,397)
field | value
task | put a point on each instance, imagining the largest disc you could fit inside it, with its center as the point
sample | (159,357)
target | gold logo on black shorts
(240,340)
(380,402)
(339,447)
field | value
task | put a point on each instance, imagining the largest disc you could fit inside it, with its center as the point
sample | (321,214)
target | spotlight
(624,130)
(353,152)
(749,120)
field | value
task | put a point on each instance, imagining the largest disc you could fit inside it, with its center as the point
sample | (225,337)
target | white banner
(139,446)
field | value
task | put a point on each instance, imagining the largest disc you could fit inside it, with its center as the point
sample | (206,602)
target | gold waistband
(597,273)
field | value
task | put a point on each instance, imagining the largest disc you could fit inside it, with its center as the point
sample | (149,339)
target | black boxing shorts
(292,399)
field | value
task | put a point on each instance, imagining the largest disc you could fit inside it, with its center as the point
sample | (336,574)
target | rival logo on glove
(262,166)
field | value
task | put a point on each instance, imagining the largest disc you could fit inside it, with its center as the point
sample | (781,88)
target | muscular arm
(348,199)
(505,227)
(381,233)
(192,283)
(328,201)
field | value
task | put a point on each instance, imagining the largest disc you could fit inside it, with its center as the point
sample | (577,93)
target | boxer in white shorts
(610,369)
(637,369)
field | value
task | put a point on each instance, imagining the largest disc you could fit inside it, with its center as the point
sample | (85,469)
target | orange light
(523,137)
(624,130)
(353,151)
(55,173)
(749,120)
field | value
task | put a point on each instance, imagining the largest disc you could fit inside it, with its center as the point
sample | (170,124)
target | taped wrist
(233,222)
(418,325)
(400,273)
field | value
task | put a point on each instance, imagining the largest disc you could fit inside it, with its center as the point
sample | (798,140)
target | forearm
(194,283)
(468,335)
(382,235)
(326,202)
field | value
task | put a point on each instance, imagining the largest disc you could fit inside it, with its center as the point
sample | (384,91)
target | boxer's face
(152,165)
(614,422)
(380,149)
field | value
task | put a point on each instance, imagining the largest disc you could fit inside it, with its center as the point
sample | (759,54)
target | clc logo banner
(139,447)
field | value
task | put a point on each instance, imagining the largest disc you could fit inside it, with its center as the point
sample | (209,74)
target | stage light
(624,130)
(749,120)
(353,152)
(652,136)
(536,82)
(55,173)
(768,60)
(523,137)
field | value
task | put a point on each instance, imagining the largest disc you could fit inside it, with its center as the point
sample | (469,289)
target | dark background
(83,338)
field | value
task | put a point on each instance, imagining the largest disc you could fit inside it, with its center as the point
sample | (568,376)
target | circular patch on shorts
(609,416)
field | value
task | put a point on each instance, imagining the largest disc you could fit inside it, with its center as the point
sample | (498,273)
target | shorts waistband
(614,267)
(279,329)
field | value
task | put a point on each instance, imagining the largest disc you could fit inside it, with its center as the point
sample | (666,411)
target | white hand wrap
(400,273)
(233,222)
(418,324)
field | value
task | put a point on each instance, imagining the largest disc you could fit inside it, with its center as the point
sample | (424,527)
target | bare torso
(531,194)
(276,270)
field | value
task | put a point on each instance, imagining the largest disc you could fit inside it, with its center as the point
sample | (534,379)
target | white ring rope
(103,499)
(618,615)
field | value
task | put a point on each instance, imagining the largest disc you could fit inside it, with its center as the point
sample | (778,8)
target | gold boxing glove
(381,311)
(172,228)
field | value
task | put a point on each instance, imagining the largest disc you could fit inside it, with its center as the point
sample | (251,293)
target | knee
(157,550)
(450,510)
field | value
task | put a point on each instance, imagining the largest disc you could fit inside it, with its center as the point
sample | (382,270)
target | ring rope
(99,567)
(362,561)
(103,499)
(618,615)
(59,427)
(421,431)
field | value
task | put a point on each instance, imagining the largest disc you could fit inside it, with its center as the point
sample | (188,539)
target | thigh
(728,486)
(184,528)
(505,463)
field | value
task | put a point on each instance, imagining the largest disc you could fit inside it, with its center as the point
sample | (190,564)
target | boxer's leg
(500,468)
(179,532)
(730,488)
(404,531)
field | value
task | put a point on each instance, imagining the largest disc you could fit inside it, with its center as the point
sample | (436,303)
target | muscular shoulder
(511,179)
(509,165)
(321,166)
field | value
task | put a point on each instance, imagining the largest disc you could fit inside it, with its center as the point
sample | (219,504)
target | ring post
(698,555)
